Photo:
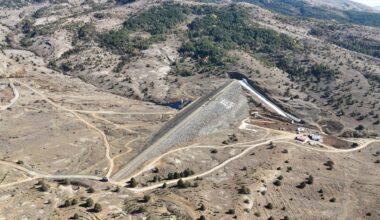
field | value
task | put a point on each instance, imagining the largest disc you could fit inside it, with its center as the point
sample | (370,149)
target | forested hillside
(302,9)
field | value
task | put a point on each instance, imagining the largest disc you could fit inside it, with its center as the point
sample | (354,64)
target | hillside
(341,4)
(303,9)
(157,55)
(86,87)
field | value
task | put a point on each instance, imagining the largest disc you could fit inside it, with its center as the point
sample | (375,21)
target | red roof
(301,138)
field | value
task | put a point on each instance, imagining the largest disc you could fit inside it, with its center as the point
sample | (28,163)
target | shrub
(74,202)
(310,180)
(146,198)
(184,73)
(244,190)
(359,128)
(97,208)
(141,209)
(288,169)
(301,185)
(133,183)
(202,208)
(117,189)
(67,203)
(89,202)
(231,212)
(170,176)
(277,183)
(187,172)
(269,206)
(44,187)
(91,190)
(182,184)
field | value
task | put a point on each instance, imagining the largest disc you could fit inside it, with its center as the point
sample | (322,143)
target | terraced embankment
(214,111)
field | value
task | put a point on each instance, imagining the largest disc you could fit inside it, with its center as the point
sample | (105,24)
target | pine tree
(89,202)
(97,207)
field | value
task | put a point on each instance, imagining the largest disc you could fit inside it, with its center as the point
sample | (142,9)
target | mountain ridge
(341,5)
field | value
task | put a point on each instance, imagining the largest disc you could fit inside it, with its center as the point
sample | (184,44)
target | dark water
(175,105)
(237,75)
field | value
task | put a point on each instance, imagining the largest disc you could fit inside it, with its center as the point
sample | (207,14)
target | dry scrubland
(73,111)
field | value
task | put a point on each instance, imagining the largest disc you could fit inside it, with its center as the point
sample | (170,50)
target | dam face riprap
(215,111)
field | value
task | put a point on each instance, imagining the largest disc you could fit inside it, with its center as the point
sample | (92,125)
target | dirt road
(14,99)
(104,137)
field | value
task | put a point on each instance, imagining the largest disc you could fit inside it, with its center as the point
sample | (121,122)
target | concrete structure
(208,114)
(315,137)
(268,102)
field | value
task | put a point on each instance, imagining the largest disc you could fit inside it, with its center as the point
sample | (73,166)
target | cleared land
(74,112)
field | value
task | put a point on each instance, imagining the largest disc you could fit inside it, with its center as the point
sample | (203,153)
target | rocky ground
(75,115)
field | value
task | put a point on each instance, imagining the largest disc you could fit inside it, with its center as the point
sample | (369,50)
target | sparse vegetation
(187,172)
(183,184)
(277,183)
(74,202)
(244,190)
(310,179)
(133,183)
(329,164)
(146,198)
(44,187)
(362,45)
(89,202)
(91,190)
(269,206)
(202,217)
(97,208)
(231,212)
(303,9)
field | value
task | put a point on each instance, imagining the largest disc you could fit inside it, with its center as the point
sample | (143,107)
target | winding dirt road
(14,99)
(104,137)
(283,137)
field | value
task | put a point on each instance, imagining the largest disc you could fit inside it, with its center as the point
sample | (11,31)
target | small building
(300,129)
(315,137)
(301,138)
